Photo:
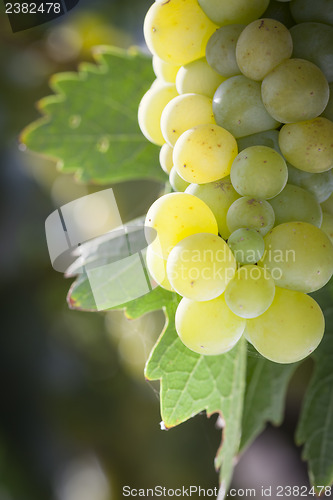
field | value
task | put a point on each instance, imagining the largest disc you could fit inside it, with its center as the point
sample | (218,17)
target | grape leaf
(315,427)
(191,383)
(266,386)
(90,125)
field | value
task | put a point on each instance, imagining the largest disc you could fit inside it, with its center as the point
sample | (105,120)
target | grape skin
(251,213)
(157,269)
(247,245)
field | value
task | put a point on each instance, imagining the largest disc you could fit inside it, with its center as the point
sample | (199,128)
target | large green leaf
(91,125)
(315,427)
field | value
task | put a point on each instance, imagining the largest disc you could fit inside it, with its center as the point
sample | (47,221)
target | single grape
(327,225)
(208,327)
(269,138)
(314,42)
(165,71)
(259,171)
(296,204)
(238,107)
(150,111)
(247,245)
(308,145)
(250,292)
(165,158)
(290,329)
(296,90)
(200,266)
(320,185)
(184,112)
(261,46)
(221,50)
(175,216)
(320,11)
(224,12)
(247,212)
(218,195)
(299,256)
(199,78)
(177,31)
(204,153)
(177,183)
(157,269)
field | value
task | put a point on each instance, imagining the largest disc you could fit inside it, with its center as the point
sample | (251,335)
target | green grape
(150,110)
(209,327)
(157,269)
(299,256)
(247,212)
(165,157)
(261,46)
(279,10)
(177,183)
(200,266)
(327,206)
(259,171)
(296,90)
(224,12)
(184,112)
(238,107)
(289,330)
(204,153)
(296,204)
(328,111)
(308,145)
(165,71)
(175,216)
(221,50)
(218,195)
(327,225)
(250,292)
(177,31)
(314,42)
(199,78)
(247,245)
(320,11)
(320,185)
(269,138)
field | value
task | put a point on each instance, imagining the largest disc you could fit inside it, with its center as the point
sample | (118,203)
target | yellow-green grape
(204,153)
(320,11)
(250,213)
(238,107)
(327,206)
(221,50)
(166,160)
(259,171)
(184,112)
(200,266)
(177,183)
(150,110)
(327,225)
(296,204)
(290,329)
(294,91)
(238,11)
(269,138)
(247,245)
(308,145)
(165,71)
(218,195)
(261,46)
(209,327)
(157,269)
(199,78)
(175,216)
(299,256)
(314,42)
(251,291)
(320,185)
(279,10)
(177,31)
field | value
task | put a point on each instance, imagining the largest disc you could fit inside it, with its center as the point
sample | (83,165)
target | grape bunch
(242,109)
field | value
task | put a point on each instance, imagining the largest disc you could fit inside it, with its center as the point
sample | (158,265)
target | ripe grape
(221,50)
(239,11)
(320,11)
(327,206)
(290,329)
(247,245)
(320,185)
(200,266)
(164,71)
(208,327)
(269,138)
(327,225)
(165,157)
(177,183)
(250,213)
(157,269)
(199,78)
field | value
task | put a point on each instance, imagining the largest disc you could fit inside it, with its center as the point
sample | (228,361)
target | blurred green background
(77,420)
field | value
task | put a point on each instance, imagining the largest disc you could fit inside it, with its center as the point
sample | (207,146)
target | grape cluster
(242,110)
